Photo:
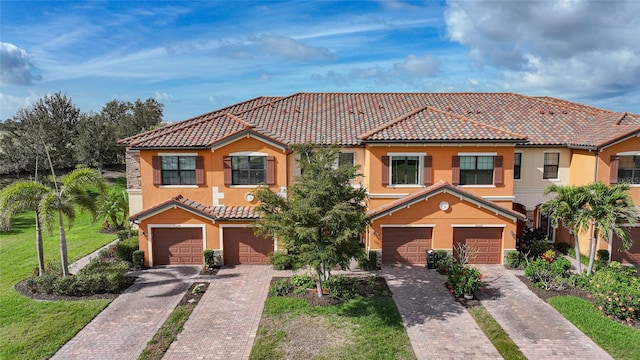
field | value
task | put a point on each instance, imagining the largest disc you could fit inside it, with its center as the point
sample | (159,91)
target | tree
(61,203)
(113,207)
(96,143)
(19,197)
(320,220)
(568,207)
(610,210)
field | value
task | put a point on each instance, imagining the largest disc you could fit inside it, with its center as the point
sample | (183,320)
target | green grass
(167,333)
(496,334)
(32,329)
(620,341)
(367,328)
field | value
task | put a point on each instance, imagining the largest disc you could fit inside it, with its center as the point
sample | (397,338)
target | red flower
(451,291)
(481,276)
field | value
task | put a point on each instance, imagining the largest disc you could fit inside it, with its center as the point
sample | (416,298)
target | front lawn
(620,341)
(32,329)
(364,328)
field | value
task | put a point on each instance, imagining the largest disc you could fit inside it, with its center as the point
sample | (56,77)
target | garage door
(177,246)
(405,245)
(631,255)
(241,246)
(488,241)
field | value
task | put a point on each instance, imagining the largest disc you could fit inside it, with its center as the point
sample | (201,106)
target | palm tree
(113,207)
(19,197)
(610,210)
(62,202)
(568,207)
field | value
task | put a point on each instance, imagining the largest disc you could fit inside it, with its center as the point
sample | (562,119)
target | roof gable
(212,213)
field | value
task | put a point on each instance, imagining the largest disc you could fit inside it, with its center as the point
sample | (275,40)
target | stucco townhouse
(439,169)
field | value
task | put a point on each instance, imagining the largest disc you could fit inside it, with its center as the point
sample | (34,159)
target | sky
(199,56)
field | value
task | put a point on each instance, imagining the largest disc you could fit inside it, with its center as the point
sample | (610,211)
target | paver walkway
(438,326)
(534,325)
(224,324)
(122,330)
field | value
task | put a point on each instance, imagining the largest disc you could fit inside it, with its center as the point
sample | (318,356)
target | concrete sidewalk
(122,330)
(534,325)
(437,325)
(82,262)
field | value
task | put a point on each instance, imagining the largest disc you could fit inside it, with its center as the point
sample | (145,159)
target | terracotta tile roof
(353,118)
(437,188)
(216,213)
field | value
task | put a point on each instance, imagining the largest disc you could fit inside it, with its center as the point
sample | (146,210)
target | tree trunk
(39,247)
(592,250)
(577,247)
(319,282)
(63,246)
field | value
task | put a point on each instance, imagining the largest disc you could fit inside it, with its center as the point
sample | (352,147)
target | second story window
(551,165)
(346,158)
(178,170)
(629,169)
(476,170)
(517,165)
(248,170)
(405,170)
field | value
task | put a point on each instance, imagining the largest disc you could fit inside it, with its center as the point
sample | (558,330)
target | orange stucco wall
(581,170)
(214,176)
(427,212)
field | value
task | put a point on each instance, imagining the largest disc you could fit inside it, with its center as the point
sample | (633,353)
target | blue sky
(195,57)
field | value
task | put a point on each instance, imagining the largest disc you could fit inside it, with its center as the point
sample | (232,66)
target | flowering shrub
(549,256)
(463,280)
(548,275)
(616,290)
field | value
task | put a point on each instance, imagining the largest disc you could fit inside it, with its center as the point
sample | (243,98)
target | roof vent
(297,109)
(477,111)
(449,108)
(380,106)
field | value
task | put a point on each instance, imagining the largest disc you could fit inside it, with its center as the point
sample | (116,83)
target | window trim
(519,178)
(618,158)
(476,154)
(544,165)
(178,186)
(420,179)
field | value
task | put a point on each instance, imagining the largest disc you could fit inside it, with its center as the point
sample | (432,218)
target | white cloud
(164,97)
(289,48)
(9,104)
(419,66)
(586,49)
(15,68)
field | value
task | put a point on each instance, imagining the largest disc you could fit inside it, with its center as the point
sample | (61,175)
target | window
(629,169)
(178,170)
(476,170)
(517,165)
(346,158)
(405,170)
(248,170)
(551,163)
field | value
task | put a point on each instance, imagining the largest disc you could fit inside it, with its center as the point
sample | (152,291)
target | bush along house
(439,168)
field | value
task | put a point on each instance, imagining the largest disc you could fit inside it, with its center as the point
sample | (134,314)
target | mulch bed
(24,290)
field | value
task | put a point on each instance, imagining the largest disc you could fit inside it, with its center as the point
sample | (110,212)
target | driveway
(536,327)
(122,330)
(438,326)
(225,322)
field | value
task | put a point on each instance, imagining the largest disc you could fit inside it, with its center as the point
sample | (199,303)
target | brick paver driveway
(438,326)
(122,330)
(224,324)
(536,327)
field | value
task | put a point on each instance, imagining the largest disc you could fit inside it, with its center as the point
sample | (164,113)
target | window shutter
(199,170)
(271,170)
(226,165)
(613,169)
(156,162)
(498,173)
(428,176)
(385,170)
(455,170)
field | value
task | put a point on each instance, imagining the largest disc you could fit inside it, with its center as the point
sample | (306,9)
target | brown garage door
(488,241)
(241,246)
(405,245)
(631,255)
(177,246)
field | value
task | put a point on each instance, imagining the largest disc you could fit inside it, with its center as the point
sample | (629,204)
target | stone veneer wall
(133,169)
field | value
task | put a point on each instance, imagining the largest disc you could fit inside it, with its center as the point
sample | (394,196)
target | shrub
(281,287)
(209,258)
(302,281)
(602,259)
(98,277)
(138,259)
(463,280)
(548,275)
(515,259)
(280,260)
(549,256)
(368,261)
(342,287)
(533,243)
(127,234)
(125,249)
(443,260)
(616,290)
(563,248)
